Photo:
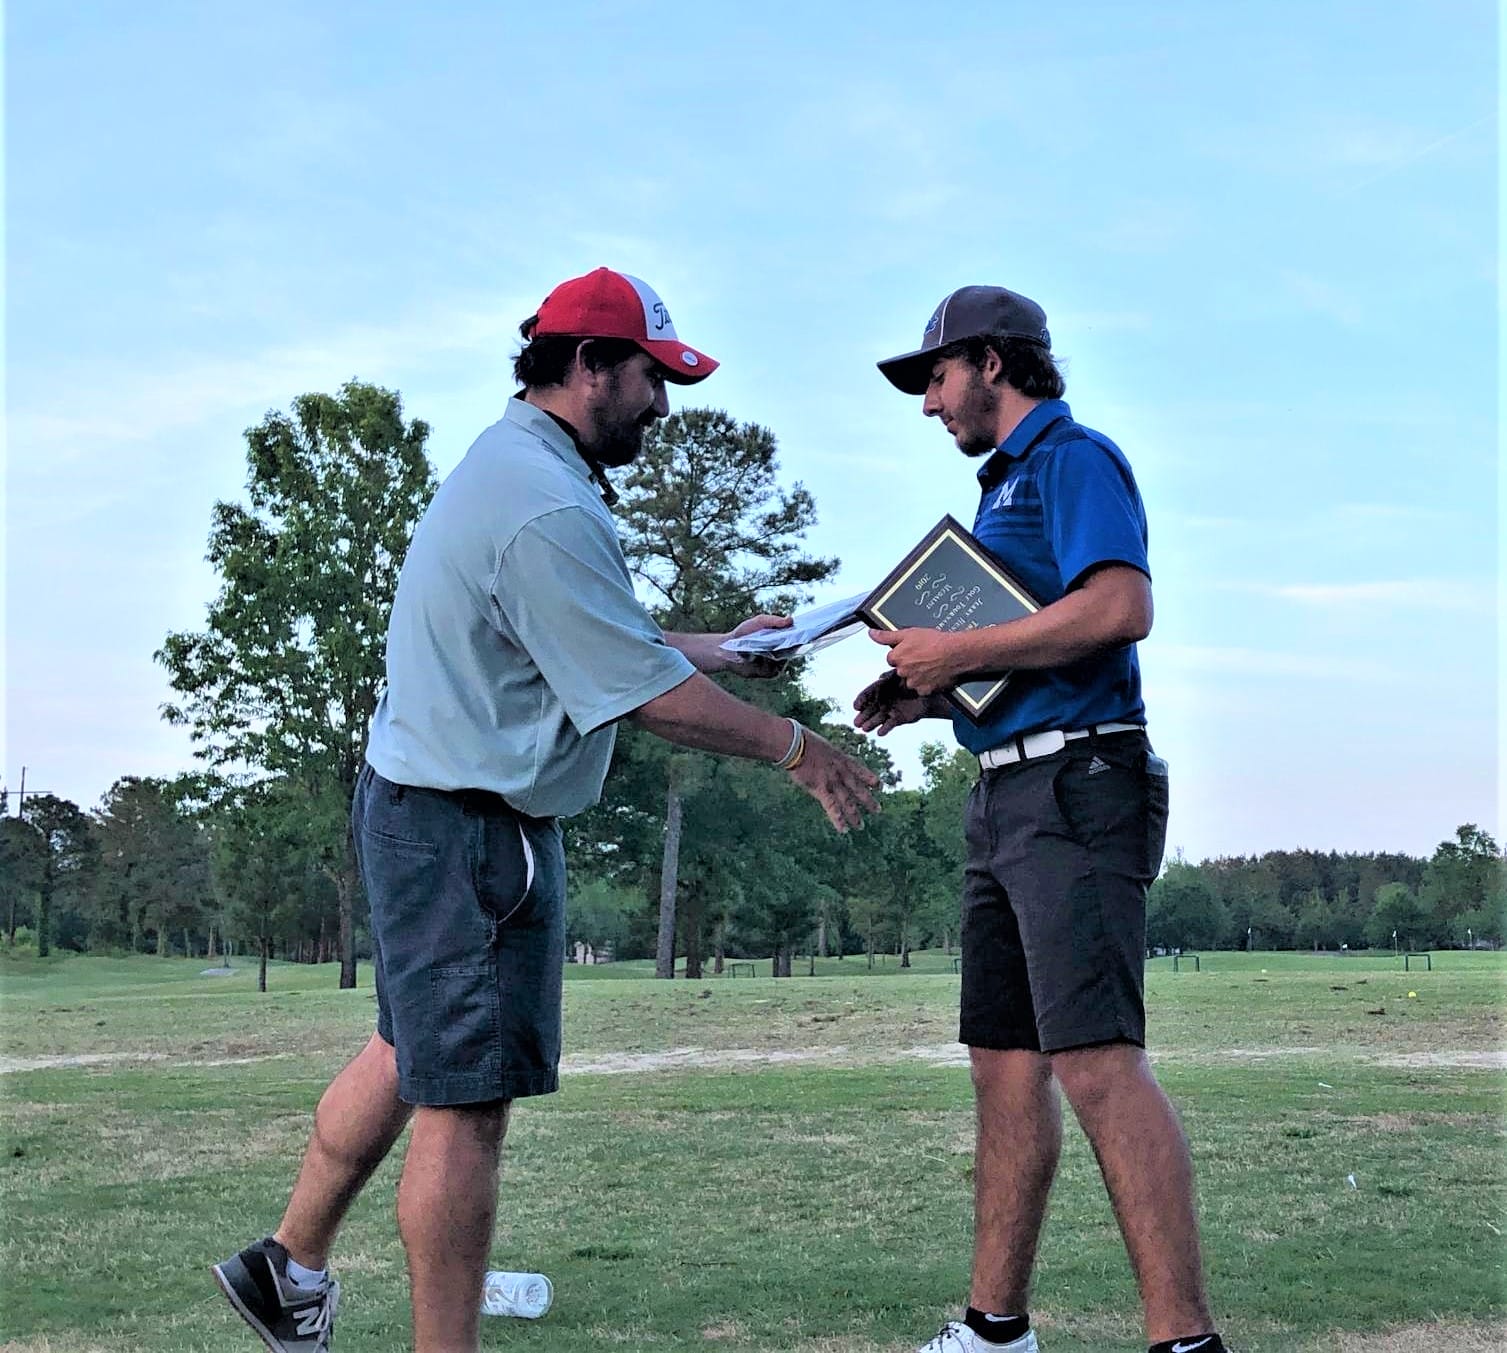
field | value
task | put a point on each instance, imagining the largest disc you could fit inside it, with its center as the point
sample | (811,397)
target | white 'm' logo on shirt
(1005,496)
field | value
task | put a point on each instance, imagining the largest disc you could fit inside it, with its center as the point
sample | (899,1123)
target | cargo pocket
(465,1019)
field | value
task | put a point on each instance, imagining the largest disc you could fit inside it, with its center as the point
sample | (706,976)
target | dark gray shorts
(468,932)
(1061,851)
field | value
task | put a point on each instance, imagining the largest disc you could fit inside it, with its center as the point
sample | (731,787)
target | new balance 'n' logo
(311,1321)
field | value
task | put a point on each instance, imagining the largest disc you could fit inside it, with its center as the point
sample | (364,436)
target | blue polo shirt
(1058,501)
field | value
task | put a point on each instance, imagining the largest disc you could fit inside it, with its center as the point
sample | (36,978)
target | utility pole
(21,797)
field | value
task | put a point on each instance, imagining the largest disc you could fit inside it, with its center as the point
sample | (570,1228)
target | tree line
(687,856)
(1305,899)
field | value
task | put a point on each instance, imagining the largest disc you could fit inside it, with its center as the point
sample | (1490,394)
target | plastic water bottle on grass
(522,1294)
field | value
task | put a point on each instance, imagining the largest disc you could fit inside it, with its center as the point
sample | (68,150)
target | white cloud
(124,402)
(1175,660)
(1421,593)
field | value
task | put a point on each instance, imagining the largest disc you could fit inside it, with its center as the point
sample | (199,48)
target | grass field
(749,1164)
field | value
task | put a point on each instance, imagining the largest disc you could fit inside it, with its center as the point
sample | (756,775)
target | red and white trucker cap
(607,304)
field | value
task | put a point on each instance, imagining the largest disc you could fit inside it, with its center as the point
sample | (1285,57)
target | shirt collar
(560,437)
(1022,438)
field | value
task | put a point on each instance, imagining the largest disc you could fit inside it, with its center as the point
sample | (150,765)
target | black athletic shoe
(289,1319)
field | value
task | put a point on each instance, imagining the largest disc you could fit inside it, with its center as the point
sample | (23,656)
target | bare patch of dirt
(1262,1054)
(10,1065)
(1442,1338)
(676,1059)
(838,1054)
(1494,1059)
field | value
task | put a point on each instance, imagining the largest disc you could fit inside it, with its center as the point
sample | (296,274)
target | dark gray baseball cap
(970,312)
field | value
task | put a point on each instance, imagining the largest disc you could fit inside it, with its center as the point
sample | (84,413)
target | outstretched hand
(752,664)
(842,784)
(888,704)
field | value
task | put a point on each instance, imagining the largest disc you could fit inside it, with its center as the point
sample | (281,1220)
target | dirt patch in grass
(1412,1122)
(1494,1059)
(839,1054)
(10,1065)
(1443,1338)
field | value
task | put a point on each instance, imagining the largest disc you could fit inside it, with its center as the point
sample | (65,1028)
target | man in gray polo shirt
(516,644)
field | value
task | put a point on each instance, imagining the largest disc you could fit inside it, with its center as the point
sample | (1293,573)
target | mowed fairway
(747,1164)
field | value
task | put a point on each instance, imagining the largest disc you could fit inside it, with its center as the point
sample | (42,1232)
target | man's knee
(1008,1073)
(1089,1075)
(483,1125)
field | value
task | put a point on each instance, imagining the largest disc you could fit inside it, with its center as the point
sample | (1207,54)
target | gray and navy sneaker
(289,1319)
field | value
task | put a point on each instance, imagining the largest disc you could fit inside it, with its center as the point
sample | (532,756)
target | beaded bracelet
(796,750)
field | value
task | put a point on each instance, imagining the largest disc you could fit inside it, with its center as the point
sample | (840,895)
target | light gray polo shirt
(516,640)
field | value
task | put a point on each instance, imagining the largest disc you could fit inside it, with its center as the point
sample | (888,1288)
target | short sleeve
(1092,510)
(563,591)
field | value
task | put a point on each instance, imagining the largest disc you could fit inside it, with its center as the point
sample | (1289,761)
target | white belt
(1045,743)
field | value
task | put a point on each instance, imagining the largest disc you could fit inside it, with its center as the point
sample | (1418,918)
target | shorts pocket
(465,1019)
(1158,797)
(504,869)
(401,845)
(401,878)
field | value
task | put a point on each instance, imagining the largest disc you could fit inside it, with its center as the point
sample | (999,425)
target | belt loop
(1020,746)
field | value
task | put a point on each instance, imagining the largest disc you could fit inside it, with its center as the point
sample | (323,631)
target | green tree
(1318,925)
(898,869)
(264,864)
(69,857)
(1462,876)
(949,778)
(599,913)
(284,679)
(1183,911)
(154,865)
(1273,925)
(871,919)
(1397,912)
(713,537)
(1486,924)
(21,863)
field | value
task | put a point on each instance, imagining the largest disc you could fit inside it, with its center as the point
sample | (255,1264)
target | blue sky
(1265,237)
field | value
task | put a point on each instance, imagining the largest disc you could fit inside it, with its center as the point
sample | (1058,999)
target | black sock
(1191,1343)
(997,1329)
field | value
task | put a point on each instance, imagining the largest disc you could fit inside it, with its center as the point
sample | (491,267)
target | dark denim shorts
(468,932)
(1061,851)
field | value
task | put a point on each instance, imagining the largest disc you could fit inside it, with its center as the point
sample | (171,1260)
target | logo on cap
(690,359)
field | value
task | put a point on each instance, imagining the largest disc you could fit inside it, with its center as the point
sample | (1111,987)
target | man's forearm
(1111,609)
(701,649)
(699,713)
(1098,616)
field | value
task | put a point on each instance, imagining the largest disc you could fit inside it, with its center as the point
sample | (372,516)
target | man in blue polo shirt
(1065,827)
